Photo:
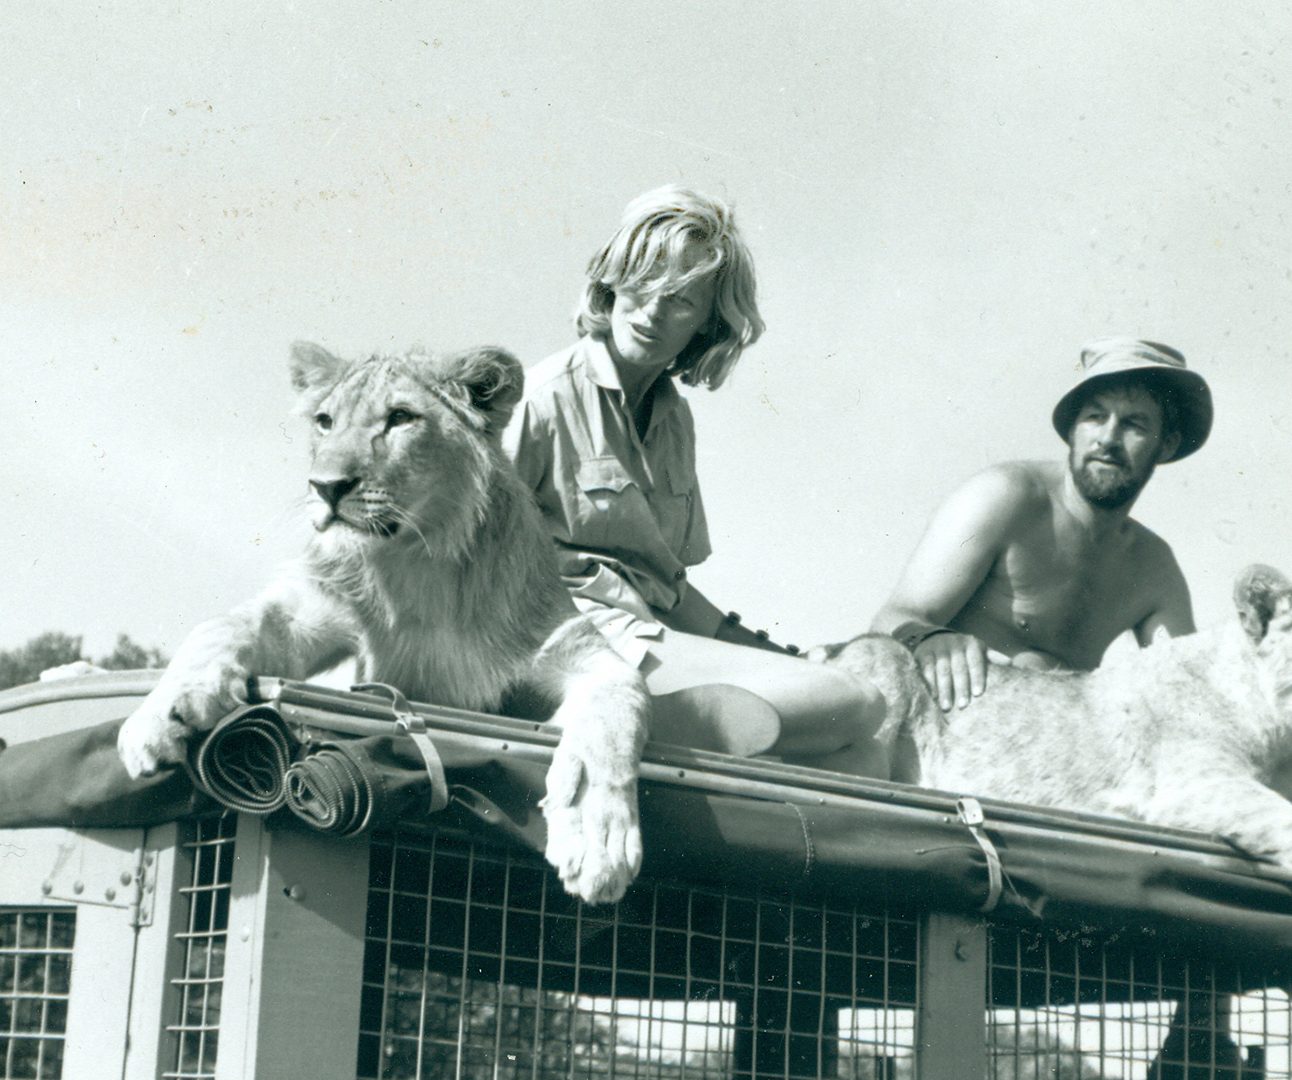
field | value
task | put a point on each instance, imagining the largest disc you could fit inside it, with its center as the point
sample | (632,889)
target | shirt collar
(601,366)
(602,370)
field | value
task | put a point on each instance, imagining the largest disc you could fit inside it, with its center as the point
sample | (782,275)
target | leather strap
(970,813)
(414,726)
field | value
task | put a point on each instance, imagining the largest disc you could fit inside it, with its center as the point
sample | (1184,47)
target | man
(1041,564)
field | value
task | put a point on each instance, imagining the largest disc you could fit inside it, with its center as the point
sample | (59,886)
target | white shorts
(617,610)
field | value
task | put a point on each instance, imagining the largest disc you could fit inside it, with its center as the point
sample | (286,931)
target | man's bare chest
(1069,604)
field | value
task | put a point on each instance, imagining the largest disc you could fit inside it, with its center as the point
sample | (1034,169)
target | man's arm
(1172,616)
(966,536)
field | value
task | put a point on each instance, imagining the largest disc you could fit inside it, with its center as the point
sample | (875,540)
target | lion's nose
(333,491)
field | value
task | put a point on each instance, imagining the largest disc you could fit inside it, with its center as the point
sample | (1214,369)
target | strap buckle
(414,726)
(971,815)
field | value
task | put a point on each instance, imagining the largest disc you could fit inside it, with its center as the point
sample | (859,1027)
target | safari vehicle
(788,923)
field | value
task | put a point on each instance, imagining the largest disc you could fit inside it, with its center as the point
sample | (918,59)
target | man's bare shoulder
(1011,487)
(1150,553)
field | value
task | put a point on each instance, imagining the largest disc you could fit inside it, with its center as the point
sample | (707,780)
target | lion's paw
(157,732)
(593,837)
(148,739)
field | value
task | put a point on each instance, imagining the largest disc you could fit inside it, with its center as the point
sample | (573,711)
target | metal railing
(203,938)
(1081,1005)
(478,965)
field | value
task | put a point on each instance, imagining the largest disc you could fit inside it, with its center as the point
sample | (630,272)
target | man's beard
(1106,489)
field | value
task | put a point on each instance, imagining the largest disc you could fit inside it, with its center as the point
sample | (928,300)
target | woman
(608,445)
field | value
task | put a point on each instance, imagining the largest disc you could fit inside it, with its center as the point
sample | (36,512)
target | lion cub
(429,562)
(1188,733)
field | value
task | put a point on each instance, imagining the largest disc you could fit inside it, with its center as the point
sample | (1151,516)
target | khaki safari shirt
(625,512)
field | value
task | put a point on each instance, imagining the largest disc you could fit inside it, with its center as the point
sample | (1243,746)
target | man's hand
(955,667)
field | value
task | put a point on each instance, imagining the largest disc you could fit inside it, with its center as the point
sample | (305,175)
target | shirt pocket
(674,508)
(611,512)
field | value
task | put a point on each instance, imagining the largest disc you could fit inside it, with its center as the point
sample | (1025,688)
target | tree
(129,655)
(25,663)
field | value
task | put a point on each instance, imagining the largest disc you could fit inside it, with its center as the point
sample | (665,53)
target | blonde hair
(654,248)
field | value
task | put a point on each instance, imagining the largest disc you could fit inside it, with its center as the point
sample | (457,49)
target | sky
(944,202)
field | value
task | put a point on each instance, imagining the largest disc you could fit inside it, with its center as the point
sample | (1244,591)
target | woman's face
(649,329)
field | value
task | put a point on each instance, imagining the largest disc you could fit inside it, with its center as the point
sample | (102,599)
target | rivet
(78,886)
(961,952)
(296,892)
(126,877)
(246,933)
(111,894)
(47,887)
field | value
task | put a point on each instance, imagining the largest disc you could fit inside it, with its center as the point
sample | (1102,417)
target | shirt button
(678,575)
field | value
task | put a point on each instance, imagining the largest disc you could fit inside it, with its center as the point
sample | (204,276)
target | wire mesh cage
(478,965)
(35,977)
(209,844)
(1076,1005)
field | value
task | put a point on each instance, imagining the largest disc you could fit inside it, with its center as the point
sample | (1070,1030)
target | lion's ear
(492,378)
(1261,593)
(313,366)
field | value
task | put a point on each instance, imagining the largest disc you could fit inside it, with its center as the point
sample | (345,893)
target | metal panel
(39,709)
(35,865)
(293,967)
(953,979)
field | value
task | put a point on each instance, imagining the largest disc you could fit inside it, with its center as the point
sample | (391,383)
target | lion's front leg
(204,681)
(290,630)
(593,834)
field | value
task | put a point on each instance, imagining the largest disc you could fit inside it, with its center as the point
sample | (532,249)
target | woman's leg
(815,714)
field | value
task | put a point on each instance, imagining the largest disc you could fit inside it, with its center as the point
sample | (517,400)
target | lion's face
(1263,597)
(404,447)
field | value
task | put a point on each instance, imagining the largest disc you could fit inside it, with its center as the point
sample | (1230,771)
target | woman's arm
(696,614)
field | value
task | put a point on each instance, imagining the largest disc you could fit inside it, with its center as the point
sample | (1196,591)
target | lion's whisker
(405,518)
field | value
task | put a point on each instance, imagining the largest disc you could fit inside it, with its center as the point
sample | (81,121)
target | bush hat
(1161,367)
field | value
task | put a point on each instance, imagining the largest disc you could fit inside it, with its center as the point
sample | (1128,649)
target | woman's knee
(832,712)
(858,706)
(872,708)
